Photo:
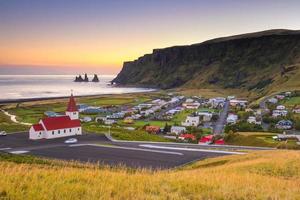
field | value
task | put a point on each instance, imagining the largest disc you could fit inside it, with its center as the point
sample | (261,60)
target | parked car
(3,133)
(71,141)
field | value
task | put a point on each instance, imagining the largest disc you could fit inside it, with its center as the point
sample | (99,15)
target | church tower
(72,110)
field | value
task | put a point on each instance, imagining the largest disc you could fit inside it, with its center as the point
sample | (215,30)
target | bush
(243,126)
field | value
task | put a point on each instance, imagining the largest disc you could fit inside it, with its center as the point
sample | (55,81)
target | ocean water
(39,86)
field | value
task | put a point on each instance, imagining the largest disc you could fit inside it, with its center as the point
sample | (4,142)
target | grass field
(290,103)
(260,139)
(7,125)
(253,176)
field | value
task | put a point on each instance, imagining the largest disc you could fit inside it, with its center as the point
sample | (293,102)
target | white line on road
(188,149)
(18,152)
(128,148)
(3,149)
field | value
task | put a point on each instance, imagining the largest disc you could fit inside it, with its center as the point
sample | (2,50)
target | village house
(252,120)
(273,100)
(191,120)
(231,118)
(217,102)
(279,113)
(280,97)
(284,124)
(187,137)
(238,102)
(191,105)
(178,130)
(205,115)
(280,107)
(153,129)
(58,126)
(296,109)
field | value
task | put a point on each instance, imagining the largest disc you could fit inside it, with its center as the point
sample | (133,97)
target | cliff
(252,62)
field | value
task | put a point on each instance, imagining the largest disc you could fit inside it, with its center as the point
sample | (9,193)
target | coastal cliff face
(251,62)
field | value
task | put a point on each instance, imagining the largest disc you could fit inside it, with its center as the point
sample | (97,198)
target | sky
(76,36)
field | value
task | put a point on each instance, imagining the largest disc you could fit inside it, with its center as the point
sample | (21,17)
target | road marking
(3,149)
(189,149)
(18,152)
(128,148)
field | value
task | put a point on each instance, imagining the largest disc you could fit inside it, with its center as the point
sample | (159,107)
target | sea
(14,87)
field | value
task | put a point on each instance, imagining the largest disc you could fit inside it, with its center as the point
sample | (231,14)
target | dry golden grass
(259,175)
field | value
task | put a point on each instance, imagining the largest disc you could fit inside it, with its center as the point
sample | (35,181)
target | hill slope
(255,176)
(256,62)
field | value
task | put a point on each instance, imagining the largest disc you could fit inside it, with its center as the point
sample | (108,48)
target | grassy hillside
(254,63)
(255,176)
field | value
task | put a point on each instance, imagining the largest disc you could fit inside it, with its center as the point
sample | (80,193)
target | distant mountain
(254,62)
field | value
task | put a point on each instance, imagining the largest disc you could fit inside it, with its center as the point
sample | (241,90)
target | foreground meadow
(260,175)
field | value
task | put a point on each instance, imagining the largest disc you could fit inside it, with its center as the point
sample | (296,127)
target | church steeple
(72,110)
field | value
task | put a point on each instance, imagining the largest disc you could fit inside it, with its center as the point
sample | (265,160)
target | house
(187,137)
(205,115)
(128,120)
(191,120)
(284,124)
(280,97)
(86,119)
(219,142)
(58,126)
(189,100)
(178,130)
(110,121)
(230,97)
(279,113)
(280,107)
(296,109)
(136,116)
(217,102)
(191,105)
(231,118)
(152,129)
(273,100)
(208,139)
(238,102)
(118,115)
(252,120)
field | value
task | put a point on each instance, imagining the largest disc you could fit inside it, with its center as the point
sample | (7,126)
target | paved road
(97,148)
(221,122)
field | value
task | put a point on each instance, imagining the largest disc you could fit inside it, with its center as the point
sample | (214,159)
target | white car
(71,141)
(3,133)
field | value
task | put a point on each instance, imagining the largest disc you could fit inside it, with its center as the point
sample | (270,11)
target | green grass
(138,136)
(32,114)
(260,139)
(108,101)
(291,102)
(181,116)
(7,125)
(141,123)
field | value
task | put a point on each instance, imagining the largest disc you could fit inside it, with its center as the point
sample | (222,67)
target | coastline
(22,100)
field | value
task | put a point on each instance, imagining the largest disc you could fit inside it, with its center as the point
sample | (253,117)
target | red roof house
(152,129)
(206,139)
(60,126)
(187,137)
(219,142)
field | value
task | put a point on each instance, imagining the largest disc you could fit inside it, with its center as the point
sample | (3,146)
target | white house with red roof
(60,126)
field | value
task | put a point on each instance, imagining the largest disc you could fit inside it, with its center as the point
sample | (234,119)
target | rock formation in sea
(95,79)
(78,78)
(86,79)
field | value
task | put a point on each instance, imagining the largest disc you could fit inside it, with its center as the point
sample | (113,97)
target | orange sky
(99,34)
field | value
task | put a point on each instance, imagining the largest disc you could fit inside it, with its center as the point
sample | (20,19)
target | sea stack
(78,78)
(86,79)
(95,79)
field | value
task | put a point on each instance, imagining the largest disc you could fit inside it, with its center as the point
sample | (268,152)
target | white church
(60,126)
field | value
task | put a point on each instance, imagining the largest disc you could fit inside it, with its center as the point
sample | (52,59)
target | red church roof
(72,105)
(62,122)
(38,127)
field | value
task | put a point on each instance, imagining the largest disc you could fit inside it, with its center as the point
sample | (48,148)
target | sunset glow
(104,34)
